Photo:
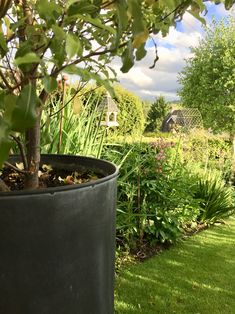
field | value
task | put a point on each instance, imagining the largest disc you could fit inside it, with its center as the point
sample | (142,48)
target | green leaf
(30,57)
(73,46)
(24,115)
(10,103)
(141,52)
(49,11)
(135,10)
(228,4)
(80,7)
(50,83)
(140,39)
(197,16)
(108,87)
(58,31)
(170,4)
(70,2)
(5,146)
(200,4)
(5,143)
(127,58)
(4,129)
(121,6)
(84,74)
(17,24)
(58,52)
(3,45)
(122,21)
(2,99)
(98,23)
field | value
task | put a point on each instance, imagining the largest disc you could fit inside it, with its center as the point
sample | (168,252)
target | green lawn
(196,276)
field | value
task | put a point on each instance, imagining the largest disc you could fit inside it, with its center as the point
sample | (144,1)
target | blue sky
(172,51)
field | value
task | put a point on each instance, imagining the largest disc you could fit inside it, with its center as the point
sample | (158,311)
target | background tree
(208,80)
(157,112)
(40,40)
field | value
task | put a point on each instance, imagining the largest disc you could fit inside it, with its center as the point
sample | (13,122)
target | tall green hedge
(130,110)
(131,115)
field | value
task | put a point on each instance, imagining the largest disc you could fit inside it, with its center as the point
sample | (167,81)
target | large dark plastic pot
(57,245)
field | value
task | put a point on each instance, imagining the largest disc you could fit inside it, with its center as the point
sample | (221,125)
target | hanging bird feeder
(110,110)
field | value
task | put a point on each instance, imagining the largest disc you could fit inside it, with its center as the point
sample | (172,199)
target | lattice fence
(189,118)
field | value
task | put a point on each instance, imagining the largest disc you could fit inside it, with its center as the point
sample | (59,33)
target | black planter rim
(52,190)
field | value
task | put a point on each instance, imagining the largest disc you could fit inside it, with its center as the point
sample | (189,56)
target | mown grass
(196,276)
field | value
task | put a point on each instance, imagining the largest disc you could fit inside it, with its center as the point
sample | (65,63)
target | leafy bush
(202,150)
(130,111)
(161,185)
(217,200)
(155,194)
(131,116)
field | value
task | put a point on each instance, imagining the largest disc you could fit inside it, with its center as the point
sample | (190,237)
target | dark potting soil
(48,177)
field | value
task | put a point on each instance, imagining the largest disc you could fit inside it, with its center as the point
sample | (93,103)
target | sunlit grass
(196,276)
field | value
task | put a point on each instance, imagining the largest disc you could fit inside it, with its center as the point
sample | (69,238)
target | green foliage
(201,150)
(24,113)
(81,132)
(208,78)
(160,185)
(130,111)
(155,195)
(217,201)
(41,40)
(157,112)
(131,115)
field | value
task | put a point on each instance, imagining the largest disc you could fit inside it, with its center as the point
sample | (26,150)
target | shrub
(155,194)
(162,187)
(131,115)
(217,200)
(202,150)
(130,111)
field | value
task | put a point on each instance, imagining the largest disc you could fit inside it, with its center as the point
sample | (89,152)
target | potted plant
(57,243)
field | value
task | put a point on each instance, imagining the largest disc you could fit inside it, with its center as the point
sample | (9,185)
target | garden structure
(109,108)
(187,118)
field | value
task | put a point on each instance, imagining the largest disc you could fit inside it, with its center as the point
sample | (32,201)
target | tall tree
(208,79)
(41,39)
(157,112)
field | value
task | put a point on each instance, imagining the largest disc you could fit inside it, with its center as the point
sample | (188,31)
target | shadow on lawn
(196,276)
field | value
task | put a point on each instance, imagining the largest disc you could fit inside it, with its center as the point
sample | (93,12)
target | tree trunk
(33,154)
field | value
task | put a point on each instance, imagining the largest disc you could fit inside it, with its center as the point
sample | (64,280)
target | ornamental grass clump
(217,201)
(80,131)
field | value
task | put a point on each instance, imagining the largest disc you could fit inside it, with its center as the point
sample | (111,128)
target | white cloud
(154,94)
(172,51)
(180,39)
(136,75)
(162,80)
